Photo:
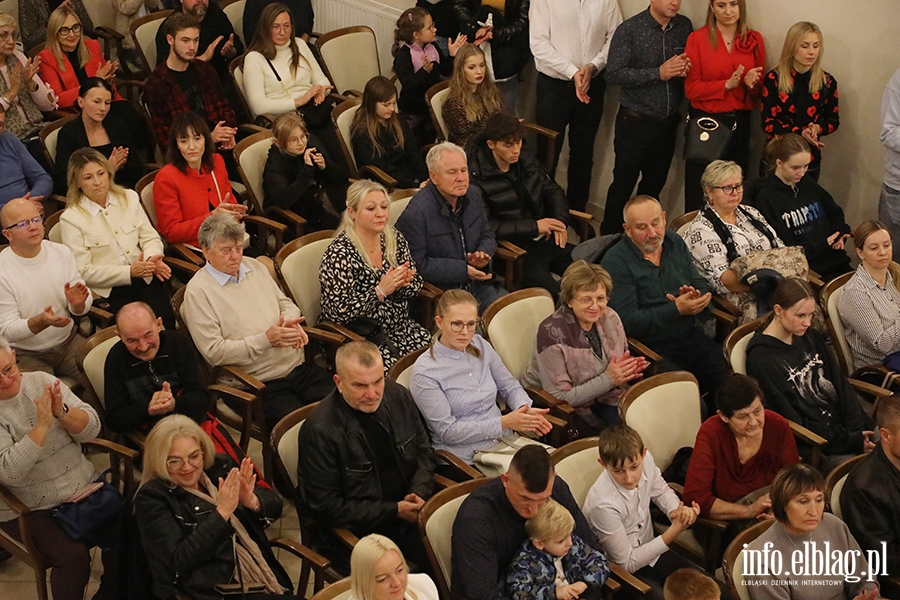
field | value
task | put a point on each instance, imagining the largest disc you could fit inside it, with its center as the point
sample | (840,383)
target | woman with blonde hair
(798,96)
(472,96)
(368,276)
(201,518)
(378,571)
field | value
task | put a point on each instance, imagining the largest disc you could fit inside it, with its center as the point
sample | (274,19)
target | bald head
(25,240)
(138,328)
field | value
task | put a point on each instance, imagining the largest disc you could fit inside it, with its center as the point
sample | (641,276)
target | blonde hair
(363,560)
(582,276)
(54,23)
(6,20)
(284,126)
(356,195)
(77,162)
(716,172)
(449,299)
(552,521)
(690,584)
(486,100)
(862,233)
(159,444)
(785,64)
(742,29)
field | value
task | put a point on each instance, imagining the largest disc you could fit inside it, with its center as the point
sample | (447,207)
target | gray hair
(220,226)
(718,171)
(438,151)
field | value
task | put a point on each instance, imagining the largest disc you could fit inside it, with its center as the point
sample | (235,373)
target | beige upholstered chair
(834,483)
(144,189)
(298,266)
(511,323)
(91,359)
(234,10)
(339,590)
(401,371)
(577,463)
(342,117)
(143,31)
(399,201)
(436,95)
(349,57)
(733,563)
(49,135)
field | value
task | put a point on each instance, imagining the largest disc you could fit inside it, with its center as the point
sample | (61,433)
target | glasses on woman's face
(282,27)
(65,31)
(176,464)
(5,35)
(458,326)
(730,189)
(586,301)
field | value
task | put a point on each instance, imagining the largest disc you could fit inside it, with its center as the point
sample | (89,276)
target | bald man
(40,291)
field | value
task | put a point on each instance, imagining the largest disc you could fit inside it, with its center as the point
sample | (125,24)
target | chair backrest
(350,56)
(285,450)
(339,590)
(736,345)
(830,296)
(298,265)
(834,483)
(733,561)
(251,154)
(144,189)
(143,31)
(236,67)
(49,135)
(342,117)
(51,227)
(399,201)
(401,371)
(577,464)
(436,95)
(665,410)
(511,324)
(91,359)
(680,224)
(234,10)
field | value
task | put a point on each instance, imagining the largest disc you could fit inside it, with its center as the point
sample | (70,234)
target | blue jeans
(889,214)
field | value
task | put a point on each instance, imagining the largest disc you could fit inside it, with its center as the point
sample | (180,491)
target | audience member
(237,315)
(617,507)
(381,137)
(368,278)
(39,288)
(691,584)
(456,383)
(42,426)
(490,525)
(379,571)
(889,202)
(661,297)
(117,250)
(802,378)
(736,455)
(126,13)
(798,96)
(34,14)
(449,236)
(302,16)
(647,61)
(723,53)
(471,97)
(570,43)
(524,204)
(20,174)
(366,462)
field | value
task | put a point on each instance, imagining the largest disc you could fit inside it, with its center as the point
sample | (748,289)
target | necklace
(369,250)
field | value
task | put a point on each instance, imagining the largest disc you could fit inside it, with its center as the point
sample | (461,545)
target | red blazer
(183,200)
(65,83)
(712,67)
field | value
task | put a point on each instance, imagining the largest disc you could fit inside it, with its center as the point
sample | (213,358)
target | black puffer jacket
(509,44)
(189,546)
(515,200)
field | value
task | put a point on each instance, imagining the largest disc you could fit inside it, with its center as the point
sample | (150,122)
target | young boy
(553,563)
(617,507)
(691,584)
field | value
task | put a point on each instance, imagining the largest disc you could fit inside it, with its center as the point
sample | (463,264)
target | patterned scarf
(15,124)
(417,53)
(724,233)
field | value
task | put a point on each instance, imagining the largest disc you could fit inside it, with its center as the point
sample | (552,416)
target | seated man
(39,288)
(20,175)
(490,525)
(449,236)
(183,82)
(525,206)
(366,462)
(237,315)
(660,296)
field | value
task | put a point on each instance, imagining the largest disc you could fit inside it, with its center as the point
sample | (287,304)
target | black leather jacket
(509,45)
(189,546)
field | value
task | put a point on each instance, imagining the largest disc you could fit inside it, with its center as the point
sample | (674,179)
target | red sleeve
(787,443)
(702,55)
(97,60)
(698,486)
(168,198)
(49,72)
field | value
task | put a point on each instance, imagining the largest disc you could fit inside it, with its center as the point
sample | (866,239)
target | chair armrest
(638,347)
(430,291)
(815,279)
(581,223)
(302,552)
(289,216)
(266,227)
(806,435)
(187,255)
(111,448)
(726,306)
(509,251)
(725,318)
(249,128)
(547,400)
(220,389)
(338,98)
(627,579)
(117,452)
(716,524)
(325,336)
(188,269)
(346,536)
(102,31)
(16,505)
(870,389)
(341,330)
(373,172)
(457,463)
(101,318)
(353,93)
(540,130)
(244,377)
(443,482)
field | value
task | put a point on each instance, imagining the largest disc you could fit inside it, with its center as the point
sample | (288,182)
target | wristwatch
(64,412)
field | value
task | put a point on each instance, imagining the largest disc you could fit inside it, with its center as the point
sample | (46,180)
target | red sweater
(65,83)
(183,200)
(715,471)
(712,67)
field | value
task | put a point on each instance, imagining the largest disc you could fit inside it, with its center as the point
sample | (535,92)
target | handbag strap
(724,233)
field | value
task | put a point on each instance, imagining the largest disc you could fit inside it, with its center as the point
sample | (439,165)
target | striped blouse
(871,316)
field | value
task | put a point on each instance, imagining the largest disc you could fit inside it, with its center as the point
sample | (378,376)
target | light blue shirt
(223,278)
(457,394)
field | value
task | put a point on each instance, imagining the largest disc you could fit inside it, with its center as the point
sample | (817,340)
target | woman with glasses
(456,382)
(581,355)
(368,277)
(724,230)
(202,518)
(33,16)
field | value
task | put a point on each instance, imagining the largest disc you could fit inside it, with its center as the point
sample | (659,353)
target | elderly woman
(736,455)
(378,571)
(581,356)
(202,517)
(798,503)
(368,277)
(724,230)
(42,425)
(116,249)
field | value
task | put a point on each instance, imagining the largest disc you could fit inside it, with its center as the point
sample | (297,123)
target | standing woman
(727,59)
(473,96)
(798,96)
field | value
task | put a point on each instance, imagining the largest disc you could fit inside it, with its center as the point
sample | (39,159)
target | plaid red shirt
(165,99)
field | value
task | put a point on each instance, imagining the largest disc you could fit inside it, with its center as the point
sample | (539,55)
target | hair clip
(409,14)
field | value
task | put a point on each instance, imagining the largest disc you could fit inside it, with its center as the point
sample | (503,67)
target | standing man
(570,41)
(889,203)
(647,59)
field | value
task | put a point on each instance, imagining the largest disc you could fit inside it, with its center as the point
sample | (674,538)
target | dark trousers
(153,293)
(644,148)
(558,107)
(668,563)
(543,259)
(699,355)
(738,150)
(307,383)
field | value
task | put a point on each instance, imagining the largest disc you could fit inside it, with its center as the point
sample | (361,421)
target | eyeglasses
(730,189)
(285,27)
(298,140)
(5,35)
(64,31)
(458,326)
(25,223)
(591,300)
(195,460)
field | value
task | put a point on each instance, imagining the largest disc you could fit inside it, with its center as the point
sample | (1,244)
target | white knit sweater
(265,94)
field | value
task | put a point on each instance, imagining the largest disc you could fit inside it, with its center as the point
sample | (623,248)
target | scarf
(417,54)
(752,42)
(250,566)
(23,116)
(724,233)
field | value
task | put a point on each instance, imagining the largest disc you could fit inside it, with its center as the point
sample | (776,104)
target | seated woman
(724,230)
(870,302)
(378,571)
(798,503)
(472,96)
(582,353)
(34,14)
(193,184)
(298,169)
(456,382)
(116,249)
(201,517)
(799,210)
(803,379)
(382,139)
(98,128)
(368,277)
(736,455)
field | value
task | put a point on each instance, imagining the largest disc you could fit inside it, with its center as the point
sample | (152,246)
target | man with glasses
(40,289)
(20,174)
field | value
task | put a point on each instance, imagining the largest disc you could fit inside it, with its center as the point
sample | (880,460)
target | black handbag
(371,329)
(84,520)
(706,136)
